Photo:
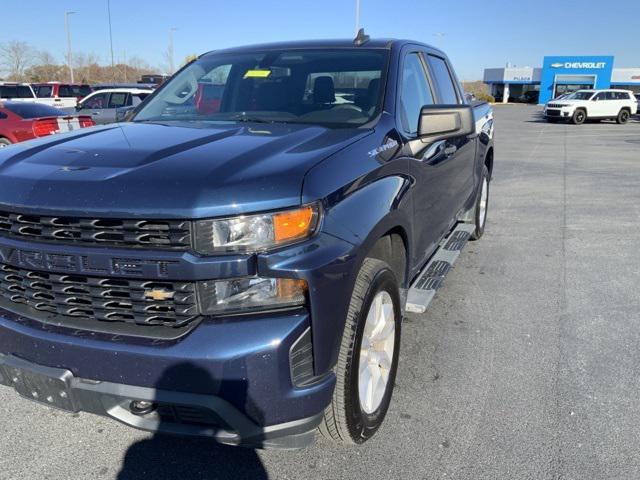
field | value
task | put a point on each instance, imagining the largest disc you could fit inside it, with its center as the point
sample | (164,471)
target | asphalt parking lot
(525,366)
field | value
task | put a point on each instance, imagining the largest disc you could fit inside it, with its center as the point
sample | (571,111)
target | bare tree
(44,69)
(15,58)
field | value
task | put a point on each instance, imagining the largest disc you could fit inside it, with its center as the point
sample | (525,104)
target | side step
(430,279)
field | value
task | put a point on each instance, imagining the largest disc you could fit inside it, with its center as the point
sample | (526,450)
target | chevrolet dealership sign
(579,65)
(574,72)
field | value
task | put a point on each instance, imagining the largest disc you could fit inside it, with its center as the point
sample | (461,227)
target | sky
(475,34)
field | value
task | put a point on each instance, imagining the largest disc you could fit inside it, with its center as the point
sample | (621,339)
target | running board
(432,276)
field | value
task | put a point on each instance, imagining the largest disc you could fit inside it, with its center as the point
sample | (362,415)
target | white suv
(616,105)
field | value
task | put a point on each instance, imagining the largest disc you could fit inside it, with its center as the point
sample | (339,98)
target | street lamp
(357,16)
(69,55)
(113,72)
(170,50)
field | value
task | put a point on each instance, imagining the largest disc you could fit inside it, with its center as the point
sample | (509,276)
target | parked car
(111,86)
(154,79)
(103,104)
(16,92)
(23,92)
(25,121)
(637,95)
(530,96)
(241,272)
(584,105)
(64,95)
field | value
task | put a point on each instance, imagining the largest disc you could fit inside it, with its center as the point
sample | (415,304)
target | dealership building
(559,75)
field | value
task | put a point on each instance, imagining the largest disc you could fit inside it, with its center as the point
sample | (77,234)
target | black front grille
(553,113)
(140,302)
(97,231)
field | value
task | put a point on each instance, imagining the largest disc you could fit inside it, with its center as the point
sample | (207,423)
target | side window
(64,91)
(118,99)
(622,96)
(96,102)
(443,80)
(24,92)
(600,96)
(44,91)
(612,95)
(415,92)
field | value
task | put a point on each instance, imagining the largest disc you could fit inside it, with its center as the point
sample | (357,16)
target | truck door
(430,165)
(462,149)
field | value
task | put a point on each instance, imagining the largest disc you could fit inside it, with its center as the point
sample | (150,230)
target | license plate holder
(49,386)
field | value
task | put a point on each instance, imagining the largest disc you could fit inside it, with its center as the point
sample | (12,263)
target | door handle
(450,150)
(95,113)
(433,151)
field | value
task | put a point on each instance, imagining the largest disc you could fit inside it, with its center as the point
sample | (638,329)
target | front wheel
(623,117)
(368,358)
(4,142)
(482,205)
(579,117)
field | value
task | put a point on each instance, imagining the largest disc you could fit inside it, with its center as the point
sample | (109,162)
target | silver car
(102,105)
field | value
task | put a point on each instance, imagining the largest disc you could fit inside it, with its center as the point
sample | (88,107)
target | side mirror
(439,122)
(79,107)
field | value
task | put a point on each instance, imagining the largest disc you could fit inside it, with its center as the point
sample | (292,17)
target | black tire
(579,117)
(623,117)
(345,421)
(480,218)
(4,142)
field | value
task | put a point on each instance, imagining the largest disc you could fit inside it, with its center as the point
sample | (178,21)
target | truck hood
(162,171)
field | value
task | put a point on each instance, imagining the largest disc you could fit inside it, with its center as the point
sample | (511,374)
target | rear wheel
(368,358)
(4,142)
(623,117)
(579,117)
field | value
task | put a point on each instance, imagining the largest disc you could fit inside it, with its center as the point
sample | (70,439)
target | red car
(25,121)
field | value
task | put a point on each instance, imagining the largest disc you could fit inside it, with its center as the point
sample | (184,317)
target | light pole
(69,55)
(113,70)
(170,51)
(357,16)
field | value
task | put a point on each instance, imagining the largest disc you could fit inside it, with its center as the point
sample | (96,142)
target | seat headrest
(324,91)
(372,92)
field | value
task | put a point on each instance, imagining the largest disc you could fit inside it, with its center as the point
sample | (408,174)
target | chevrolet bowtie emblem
(158,294)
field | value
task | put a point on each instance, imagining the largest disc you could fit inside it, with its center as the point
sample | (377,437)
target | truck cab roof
(376,43)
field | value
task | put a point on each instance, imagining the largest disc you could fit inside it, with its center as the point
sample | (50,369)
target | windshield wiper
(243,117)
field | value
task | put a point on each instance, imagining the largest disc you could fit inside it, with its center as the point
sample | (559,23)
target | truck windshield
(580,96)
(332,88)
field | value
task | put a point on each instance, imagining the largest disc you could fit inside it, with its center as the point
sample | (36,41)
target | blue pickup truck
(236,259)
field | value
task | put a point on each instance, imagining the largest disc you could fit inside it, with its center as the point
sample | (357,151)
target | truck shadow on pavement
(166,456)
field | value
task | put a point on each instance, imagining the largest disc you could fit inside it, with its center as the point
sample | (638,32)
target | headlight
(250,294)
(250,233)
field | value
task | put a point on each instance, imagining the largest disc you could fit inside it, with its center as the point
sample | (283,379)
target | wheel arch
(393,247)
(488,161)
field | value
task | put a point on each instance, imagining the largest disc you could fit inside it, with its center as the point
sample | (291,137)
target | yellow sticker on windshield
(257,73)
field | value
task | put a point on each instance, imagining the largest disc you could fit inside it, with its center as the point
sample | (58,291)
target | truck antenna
(361,38)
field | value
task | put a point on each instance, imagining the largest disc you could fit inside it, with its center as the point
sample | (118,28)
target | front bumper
(244,360)
(557,113)
(173,413)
